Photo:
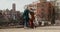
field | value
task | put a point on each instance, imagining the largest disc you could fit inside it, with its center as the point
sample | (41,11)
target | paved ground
(38,29)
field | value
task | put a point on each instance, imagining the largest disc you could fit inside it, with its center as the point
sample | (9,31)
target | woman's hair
(32,13)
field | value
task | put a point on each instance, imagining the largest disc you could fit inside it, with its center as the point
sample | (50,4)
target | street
(38,29)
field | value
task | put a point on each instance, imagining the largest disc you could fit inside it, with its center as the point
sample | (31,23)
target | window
(42,5)
(43,10)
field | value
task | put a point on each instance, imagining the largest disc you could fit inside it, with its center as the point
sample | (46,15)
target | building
(57,4)
(12,15)
(44,11)
(57,11)
(14,7)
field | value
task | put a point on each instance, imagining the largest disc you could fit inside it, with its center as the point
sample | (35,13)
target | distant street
(38,29)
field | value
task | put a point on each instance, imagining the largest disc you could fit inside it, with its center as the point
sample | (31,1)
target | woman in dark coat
(26,17)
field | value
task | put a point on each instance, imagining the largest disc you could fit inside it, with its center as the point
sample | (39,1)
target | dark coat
(26,14)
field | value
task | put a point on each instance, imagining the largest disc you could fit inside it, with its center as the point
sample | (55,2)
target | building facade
(44,11)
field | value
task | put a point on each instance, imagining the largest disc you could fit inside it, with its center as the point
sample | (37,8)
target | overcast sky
(4,4)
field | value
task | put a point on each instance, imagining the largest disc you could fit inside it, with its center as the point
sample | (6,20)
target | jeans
(26,23)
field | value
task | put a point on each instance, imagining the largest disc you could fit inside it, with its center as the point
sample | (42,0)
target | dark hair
(32,13)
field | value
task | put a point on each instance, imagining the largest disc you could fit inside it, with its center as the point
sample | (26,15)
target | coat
(26,14)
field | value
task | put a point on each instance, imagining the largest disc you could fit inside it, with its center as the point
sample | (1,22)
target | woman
(32,19)
(26,17)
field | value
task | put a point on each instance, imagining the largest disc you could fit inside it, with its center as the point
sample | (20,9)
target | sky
(7,4)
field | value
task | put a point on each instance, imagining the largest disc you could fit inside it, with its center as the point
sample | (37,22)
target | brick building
(44,11)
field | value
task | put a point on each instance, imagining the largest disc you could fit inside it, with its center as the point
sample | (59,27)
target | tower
(13,7)
(13,11)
